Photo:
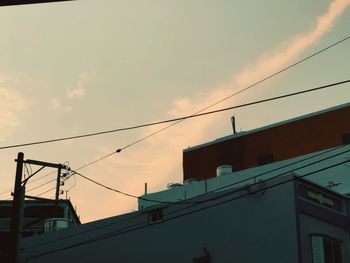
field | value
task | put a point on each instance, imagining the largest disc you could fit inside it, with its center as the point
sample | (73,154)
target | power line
(145,224)
(126,194)
(47,191)
(192,116)
(32,181)
(232,184)
(179,119)
(32,189)
(202,114)
(199,114)
(195,203)
(196,114)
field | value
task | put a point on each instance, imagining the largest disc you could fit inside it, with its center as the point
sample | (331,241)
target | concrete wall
(257,228)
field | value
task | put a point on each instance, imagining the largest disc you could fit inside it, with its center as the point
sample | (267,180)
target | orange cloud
(275,60)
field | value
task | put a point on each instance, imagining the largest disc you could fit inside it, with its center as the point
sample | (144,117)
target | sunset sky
(78,67)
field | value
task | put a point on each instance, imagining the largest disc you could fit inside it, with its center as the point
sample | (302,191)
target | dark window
(156,216)
(346,138)
(326,250)
(264,159)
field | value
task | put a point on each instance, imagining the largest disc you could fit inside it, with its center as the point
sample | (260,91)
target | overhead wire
(229,185)
(206,113)
(196,114)
(186,117)
(201,114)
(41,185)
(146,223)
(224,194)
(51,189)
(34,180)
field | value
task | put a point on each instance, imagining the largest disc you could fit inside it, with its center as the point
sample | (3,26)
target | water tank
(223,170)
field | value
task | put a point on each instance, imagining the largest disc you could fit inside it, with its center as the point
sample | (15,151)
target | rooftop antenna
(233,121)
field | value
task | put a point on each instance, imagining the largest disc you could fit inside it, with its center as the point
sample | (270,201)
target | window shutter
(317,250)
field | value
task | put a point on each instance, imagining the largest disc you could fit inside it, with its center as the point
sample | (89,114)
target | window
(156,216)
(326,250)
(264,159)
(346,138)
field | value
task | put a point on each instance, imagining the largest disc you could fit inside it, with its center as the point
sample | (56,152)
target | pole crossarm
(46,164)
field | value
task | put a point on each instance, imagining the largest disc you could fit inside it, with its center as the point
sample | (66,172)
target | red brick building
(306,134)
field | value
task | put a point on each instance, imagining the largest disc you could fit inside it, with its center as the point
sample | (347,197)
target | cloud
(56,105)
(12,103)
(275,60)
(78,91)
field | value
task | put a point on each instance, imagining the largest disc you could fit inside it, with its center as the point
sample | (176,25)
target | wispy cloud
(78,91)
(12,103)
(56,105)
(276,59)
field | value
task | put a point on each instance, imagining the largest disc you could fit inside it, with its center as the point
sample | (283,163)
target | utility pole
(17,212)
(58,183)
(18,202)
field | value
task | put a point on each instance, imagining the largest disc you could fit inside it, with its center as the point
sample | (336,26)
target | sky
(84,66)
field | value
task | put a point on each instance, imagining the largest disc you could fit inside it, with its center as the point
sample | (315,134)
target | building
(295,137)
(285,219)
(40,216)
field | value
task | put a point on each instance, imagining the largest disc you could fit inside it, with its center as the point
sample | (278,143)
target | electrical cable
(285,166)
(183,118)
(230,192)
(47,191)
(180,119)
(191,116)
(201,114)
(41,185)
(124,193)
(34,180)
(177,121)
(226,186)
(136,227)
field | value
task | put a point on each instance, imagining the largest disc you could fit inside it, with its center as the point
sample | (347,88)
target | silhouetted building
(40,216)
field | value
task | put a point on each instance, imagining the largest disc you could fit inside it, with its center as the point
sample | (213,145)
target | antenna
(233,121)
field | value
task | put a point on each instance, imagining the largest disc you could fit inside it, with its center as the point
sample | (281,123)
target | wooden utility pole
(17,212)
(18,203)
